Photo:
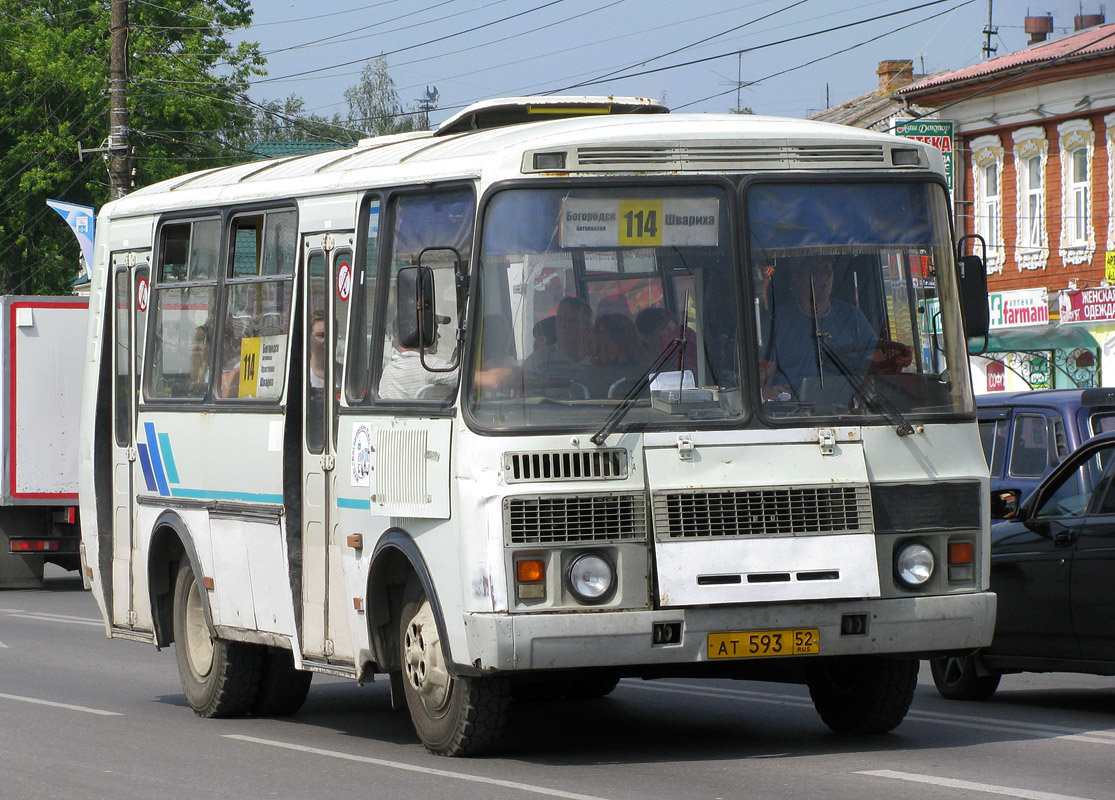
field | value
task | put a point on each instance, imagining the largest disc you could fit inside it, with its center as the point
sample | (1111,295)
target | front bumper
(913,625)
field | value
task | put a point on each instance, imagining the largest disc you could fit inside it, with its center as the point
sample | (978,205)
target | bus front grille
(774,511)
(573,519)
(565,465)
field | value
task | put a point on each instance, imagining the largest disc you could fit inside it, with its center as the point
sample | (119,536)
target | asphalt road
(85,717)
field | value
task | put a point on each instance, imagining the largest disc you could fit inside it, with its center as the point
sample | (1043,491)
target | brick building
(1035,144)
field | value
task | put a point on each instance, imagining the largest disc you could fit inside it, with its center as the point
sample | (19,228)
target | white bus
(567,391)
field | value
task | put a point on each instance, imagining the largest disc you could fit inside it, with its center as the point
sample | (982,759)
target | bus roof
(615,143)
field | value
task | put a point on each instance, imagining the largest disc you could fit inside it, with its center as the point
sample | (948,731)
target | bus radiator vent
(569,519)
(566,465)
(772,511)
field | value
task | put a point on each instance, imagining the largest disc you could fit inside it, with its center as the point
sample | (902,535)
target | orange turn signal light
(530,571)
(961,552)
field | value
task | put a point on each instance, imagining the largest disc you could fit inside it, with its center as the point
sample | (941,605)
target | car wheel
(957,679)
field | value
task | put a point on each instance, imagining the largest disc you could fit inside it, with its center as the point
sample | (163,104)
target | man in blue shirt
(815,334)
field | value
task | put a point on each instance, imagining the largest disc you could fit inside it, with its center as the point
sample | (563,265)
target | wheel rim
(422,662)
(952,670)
(199,644)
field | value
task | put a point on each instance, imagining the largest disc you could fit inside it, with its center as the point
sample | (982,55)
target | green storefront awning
(1021,340)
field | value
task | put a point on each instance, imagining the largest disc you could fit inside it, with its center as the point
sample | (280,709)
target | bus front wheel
(453,715)
(219,678)
(862,694)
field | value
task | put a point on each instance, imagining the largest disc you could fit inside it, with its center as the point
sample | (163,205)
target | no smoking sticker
(344,281)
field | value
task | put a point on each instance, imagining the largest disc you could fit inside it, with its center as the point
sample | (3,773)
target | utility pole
(119,152)
(989,31)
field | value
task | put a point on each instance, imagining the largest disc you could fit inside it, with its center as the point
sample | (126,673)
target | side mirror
(972,281)
(414,308)
(1004,504)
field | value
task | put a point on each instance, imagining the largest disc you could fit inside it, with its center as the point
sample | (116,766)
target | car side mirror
(415,315)
(1005,504)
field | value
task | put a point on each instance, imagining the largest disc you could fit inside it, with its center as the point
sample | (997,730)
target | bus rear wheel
(862,694)
(219,678)
(452,715)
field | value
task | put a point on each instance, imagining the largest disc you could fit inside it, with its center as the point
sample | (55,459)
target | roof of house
(280,149)
(871,111)
(1094,42)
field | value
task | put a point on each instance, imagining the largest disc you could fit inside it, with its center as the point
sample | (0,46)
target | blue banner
(81,220)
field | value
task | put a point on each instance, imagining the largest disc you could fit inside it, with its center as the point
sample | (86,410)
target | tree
(374,104)
(186,104)
(286,120)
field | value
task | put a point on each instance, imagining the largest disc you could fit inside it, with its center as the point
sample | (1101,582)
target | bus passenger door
(130,294)
(328,271)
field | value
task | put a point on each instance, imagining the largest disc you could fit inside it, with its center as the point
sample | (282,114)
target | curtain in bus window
(837,216)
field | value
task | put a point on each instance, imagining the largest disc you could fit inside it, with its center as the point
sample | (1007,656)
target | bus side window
(441,220)
(253,347)
(183,300)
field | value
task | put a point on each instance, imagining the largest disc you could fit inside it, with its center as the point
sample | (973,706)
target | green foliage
(185,86)
(374,105)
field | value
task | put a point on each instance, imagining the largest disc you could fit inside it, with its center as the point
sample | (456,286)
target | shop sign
(1018,308)
(1087,305)
(937,132)
(996,376)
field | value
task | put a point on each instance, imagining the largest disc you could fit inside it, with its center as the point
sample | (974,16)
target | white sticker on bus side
(360,463)
(275,436)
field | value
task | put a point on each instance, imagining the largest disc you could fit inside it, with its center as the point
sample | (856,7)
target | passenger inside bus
(405,378)
(562,359)
(616,356)
(813,335)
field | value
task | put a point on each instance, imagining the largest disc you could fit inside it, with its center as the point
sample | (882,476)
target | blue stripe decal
(244,497)
(348,502)
(145,464)
(168,458)
(156,461)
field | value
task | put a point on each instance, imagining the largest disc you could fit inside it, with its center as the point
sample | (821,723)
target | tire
(219,678)
(957,679)
(282,688)
(862,694)
(453,716)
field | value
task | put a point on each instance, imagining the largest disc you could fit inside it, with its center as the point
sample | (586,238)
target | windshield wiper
(875,401)
(620,411)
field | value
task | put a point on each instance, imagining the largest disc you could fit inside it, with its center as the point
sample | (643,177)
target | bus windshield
(582,291)
(846,280)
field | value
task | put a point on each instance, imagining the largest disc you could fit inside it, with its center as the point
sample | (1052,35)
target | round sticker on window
(143,293)
(344,281)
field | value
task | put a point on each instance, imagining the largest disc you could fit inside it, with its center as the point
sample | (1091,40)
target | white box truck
(42,342)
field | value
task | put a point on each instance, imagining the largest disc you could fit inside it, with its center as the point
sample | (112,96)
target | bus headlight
(914,564)
(591,577)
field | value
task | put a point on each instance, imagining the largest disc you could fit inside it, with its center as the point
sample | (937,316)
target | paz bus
(567,391)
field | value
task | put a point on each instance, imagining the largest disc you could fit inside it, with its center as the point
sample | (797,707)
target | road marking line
(937,718)
(2,644)
(59,618)
(952,783)
(441,773)
(66,706)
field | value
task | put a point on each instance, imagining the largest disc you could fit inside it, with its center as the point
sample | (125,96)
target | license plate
(758,644)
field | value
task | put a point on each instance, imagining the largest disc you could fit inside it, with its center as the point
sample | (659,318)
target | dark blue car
(1026,434)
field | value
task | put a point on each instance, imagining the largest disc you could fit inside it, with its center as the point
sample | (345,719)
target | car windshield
(846,282)
(581,290)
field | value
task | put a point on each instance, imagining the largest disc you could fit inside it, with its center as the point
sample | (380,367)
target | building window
(1032,241)
(1078,238)
(987,169)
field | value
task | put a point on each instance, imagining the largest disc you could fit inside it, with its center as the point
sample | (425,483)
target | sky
(780,57)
